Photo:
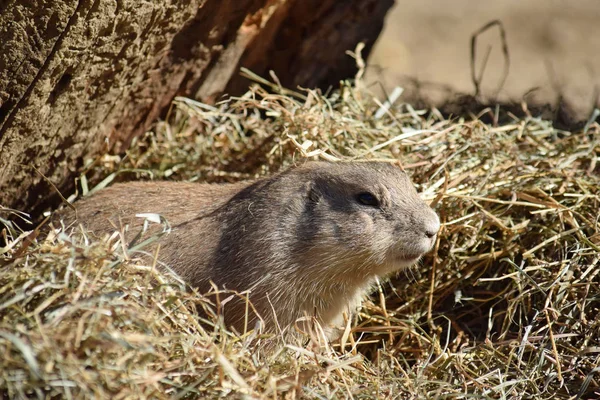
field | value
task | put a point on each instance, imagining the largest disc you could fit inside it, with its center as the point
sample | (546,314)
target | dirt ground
(552,47)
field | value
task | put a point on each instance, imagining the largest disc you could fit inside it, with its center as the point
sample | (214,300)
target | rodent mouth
(408,258)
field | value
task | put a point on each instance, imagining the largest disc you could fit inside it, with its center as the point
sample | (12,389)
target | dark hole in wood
(7,105)
(60,87)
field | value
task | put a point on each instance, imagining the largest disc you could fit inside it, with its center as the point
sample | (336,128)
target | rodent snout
(432,225)
(423,232)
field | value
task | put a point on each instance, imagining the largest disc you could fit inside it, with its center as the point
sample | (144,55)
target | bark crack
(11,116)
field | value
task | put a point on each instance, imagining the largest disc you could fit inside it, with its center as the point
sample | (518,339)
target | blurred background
(552,44)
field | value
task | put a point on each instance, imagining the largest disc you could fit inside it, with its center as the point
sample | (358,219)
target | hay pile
(505,307)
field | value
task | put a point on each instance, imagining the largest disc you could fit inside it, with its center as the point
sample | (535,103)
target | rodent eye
(367,199)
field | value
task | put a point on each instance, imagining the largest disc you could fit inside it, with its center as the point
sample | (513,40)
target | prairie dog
(309,241)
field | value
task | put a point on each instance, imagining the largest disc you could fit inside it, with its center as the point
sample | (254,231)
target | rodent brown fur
(306,242)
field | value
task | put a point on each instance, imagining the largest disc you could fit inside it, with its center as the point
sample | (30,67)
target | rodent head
(368,214)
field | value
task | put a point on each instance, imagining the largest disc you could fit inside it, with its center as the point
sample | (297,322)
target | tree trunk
(78,78)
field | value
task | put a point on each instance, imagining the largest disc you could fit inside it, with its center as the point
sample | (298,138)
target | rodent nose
(432,226)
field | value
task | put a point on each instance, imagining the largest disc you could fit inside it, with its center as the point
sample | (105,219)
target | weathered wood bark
(77,77)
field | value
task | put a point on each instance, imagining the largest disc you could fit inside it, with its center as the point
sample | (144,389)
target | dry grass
(505,307)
